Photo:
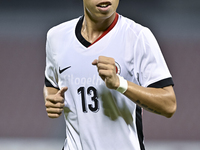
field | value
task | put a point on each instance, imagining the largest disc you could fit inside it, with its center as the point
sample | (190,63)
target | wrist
(123,84)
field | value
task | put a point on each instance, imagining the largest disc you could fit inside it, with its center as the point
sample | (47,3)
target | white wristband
(123,84)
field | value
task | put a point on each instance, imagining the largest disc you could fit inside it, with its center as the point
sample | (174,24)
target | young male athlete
(102,69)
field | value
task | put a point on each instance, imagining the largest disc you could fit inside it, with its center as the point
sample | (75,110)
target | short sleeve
(149,62)
(51,76)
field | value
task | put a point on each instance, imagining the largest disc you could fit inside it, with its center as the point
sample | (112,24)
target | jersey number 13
(92,93)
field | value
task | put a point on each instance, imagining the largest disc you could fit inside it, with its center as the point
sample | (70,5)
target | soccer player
(102,69)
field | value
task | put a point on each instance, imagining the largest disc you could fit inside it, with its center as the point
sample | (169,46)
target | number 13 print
(92,93)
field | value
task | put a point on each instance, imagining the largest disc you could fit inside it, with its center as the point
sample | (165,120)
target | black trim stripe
(78,33)
(139,127)
(162,83)
(48,83)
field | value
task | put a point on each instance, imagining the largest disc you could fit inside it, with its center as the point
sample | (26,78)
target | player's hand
(55,103)
(107,71)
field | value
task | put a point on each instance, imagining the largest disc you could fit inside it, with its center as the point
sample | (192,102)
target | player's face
(100,9)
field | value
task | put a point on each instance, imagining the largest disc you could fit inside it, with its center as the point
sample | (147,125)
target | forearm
(158,100)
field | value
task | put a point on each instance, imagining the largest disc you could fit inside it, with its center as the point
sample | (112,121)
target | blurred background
(23,27)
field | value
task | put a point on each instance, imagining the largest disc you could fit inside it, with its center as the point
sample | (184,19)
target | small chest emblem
(118,69)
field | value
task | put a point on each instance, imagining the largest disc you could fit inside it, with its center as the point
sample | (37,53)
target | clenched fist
(107,71)
(55,102)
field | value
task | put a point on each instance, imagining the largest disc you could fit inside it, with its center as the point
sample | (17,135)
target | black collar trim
(78,33)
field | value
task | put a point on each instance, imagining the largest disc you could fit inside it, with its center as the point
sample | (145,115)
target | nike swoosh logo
(62,70)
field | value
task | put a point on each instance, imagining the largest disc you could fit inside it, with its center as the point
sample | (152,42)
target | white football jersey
(98,118)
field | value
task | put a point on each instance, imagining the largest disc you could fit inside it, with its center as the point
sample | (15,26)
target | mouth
(104,4)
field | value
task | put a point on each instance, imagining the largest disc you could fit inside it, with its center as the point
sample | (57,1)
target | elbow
(171,109)
(170,113)
(170,104)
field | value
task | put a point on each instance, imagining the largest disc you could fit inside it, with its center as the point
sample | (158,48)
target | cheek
(116,3)
(90,8)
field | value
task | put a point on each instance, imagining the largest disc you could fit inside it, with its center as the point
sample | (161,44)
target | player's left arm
(158,100)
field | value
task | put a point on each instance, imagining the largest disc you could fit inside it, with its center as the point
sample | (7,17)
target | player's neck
(93,29)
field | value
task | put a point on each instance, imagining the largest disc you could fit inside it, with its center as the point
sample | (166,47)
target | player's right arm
(54,101)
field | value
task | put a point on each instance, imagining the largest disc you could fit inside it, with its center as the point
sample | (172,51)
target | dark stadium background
(23,27)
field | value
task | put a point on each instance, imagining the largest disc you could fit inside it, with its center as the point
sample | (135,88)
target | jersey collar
(81,38)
